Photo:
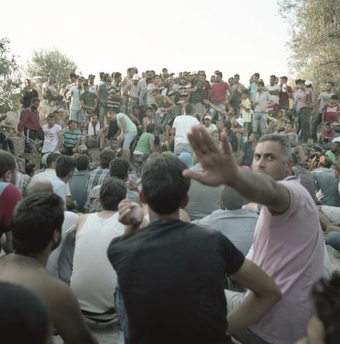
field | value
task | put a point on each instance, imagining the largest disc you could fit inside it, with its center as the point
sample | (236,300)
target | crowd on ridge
(204,220)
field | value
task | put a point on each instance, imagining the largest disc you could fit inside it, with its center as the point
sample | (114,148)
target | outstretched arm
(220,167)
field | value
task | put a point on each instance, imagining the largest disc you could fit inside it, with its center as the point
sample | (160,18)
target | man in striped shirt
(72,138)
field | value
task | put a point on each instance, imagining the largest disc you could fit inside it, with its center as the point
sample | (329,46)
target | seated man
(94,133)
(145,145)
(94,286)
(288,241)
(171,273)
(72,138)
(231,220)
(36,227)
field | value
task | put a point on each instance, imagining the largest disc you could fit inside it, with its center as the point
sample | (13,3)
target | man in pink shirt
(288,241)
(219,89)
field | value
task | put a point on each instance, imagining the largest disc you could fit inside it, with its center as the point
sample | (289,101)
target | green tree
(315,38)
(45,63)
(10,74)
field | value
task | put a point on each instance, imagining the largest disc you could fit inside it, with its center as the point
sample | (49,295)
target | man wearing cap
(305,105)
(210,127)
(196,92)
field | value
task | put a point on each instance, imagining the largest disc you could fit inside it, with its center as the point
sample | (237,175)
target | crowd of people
(204,220)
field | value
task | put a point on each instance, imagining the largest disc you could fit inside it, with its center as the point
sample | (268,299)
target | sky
(242,36)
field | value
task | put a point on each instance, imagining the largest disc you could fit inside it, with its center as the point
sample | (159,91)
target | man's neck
(41,257)
(157,217)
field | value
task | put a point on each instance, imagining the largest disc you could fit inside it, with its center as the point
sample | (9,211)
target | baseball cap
(74,75)
(207,117)
(135,77)
(308,83)
(240,121)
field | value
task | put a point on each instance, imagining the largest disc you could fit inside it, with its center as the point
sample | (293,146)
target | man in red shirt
(219,89)
(331,111)
(9,195)
(285,93)
(30,125)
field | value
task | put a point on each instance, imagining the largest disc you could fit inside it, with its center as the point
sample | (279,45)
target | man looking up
(288,241)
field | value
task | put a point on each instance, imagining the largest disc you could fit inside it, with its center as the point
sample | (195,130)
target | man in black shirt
(171,274)
(28,94)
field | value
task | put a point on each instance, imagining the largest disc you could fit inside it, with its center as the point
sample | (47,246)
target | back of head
(189,109)
(112,192)
(7,163)
(231,199)
(105,157)
(24,317)
(34,220)
(163,185)
(284,143)
(37,186)
(82,162)
(65,165)
(119,168)
(52,157)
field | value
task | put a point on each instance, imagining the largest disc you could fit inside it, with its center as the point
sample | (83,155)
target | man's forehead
(268,147)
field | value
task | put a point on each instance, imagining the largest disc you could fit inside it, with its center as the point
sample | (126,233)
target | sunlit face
(51,122)
(216,137)
(157,80)
(272,81)
(218,78)
(259,88)
(268,159)
(148,113)
(236,79)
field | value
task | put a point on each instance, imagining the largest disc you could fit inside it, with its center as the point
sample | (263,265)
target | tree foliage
(315,38)
(45,63)
(10,74)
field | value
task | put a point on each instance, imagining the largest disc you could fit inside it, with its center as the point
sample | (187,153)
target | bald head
(39,186)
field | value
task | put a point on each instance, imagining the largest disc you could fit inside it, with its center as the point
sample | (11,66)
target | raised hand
(130,213)
(219,165)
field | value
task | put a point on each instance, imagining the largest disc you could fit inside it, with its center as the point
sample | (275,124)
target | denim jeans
(214,113)
(333,240)
(260,118)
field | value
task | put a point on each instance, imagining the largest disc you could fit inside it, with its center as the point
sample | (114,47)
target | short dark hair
(82,162)
(260,83)
(257,75)
(231,198)
(51,158)
(24,310)
(34,220)
(29,168)
(117,75)
(65,165)
(7,162)
(284,78)
(150,128)
(218,73)
(52,115)
(189,108)
(331,83)
(273,76)
(105,157)
(35,100)
(112,192)
(163,184)
(335,97)
(119,168)
(71,121)
(245,92)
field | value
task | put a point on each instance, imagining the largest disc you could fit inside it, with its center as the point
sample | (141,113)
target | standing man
(88,101)
(196,93)
(323,99)
(75,107)
(238,88)
(261,102)
(274,90)
(288,242)
(219,89)
(28,94)
(30,125)
(286,93)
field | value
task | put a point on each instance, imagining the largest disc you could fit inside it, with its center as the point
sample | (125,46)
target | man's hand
(130,214)
(219,165)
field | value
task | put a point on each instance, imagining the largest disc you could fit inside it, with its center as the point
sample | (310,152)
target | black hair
(245,92)
(335,97)
(257,75)
(189,109)
(331,83)
(117,75)
(261,83)
(119,168)
(29,168)
(51,158)
(24,317)
(163,184)
(326,296)
(150,128)
(112,192)
(7,162)
(34,220)
(65,165)
(82,162)
(35,100)
(71,121)
(105,157)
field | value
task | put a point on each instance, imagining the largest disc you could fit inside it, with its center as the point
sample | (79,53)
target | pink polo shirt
(219,90)
(289,247)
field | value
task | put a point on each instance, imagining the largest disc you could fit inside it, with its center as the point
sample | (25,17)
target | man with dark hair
(94,286)
(36,227)
(171,273)
(98,177)
(286,93)
(288,241)
(79,180)
(28,94)
(9,195)
(71,137)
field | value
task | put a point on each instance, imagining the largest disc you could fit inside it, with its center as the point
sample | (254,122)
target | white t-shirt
(183,125)
(75,99)
(211,128)
(51,137)
(274,98)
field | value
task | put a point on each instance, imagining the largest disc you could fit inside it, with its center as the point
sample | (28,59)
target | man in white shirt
(53,141)
(210,127)
(181,127)
(274,90)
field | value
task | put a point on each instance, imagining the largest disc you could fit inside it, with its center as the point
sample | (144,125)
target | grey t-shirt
(263,98)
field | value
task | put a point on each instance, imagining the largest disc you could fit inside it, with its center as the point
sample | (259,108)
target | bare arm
(264,294)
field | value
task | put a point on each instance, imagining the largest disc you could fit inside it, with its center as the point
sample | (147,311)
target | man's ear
(56,236)
(185,201)
(8,176)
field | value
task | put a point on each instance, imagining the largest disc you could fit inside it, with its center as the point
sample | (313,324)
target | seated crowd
(204,220)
